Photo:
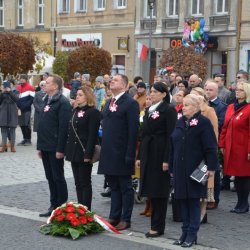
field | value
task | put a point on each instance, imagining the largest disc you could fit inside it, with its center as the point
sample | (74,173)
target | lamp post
(151,4)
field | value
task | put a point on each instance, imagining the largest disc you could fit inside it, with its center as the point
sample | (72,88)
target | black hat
(141,85)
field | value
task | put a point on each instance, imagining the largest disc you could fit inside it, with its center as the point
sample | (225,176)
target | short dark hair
(24,76)
(57,80)
(222,76)
(244,73)
(137,78)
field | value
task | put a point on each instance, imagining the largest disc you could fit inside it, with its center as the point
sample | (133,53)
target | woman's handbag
(96,155)
(200,173)
(97,151)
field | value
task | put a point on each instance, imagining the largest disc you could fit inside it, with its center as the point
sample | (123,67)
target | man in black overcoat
(117,160)
(51,140)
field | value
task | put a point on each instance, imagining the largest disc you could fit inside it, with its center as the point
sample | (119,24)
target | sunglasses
(238,77)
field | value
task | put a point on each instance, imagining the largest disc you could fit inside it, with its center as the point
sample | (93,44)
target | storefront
(117,42)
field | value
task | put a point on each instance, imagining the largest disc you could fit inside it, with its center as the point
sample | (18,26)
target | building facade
(28,18)
(106,24)
(244,35)
(68,24)
(168,17)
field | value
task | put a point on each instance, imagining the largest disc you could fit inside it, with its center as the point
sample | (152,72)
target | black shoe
(189,243)
(204,219)
(241,211)
(153,235)
(21,143)
(48,213)
(27,143)
(106,193)
(181,240)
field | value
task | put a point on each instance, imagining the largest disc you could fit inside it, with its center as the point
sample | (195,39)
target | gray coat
(8,109)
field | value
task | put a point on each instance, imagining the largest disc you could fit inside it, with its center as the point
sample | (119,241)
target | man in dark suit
(51,140)
(211,89)
(117,160)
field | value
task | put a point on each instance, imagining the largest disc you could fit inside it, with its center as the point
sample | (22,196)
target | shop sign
(177,43)
(73,41)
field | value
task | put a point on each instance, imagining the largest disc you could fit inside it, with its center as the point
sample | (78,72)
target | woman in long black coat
(193,140)
(82,138)
(8,115)
(158,124)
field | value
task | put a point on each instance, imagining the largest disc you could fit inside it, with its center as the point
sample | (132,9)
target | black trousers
(54,171)
(26,131)
(82,176)
(122,197)
(159,211)
(242,185)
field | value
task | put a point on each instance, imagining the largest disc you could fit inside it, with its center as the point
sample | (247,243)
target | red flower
(70,216)
(90,219)
(69,205)
(69,209)
(82,207)
(60,217)
(58,211)
(75,222)
(83,220)
(81,211)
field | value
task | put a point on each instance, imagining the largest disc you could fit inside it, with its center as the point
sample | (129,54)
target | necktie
(210,103)
(112,102)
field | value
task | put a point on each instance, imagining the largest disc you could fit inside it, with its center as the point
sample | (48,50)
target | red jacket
(235,139)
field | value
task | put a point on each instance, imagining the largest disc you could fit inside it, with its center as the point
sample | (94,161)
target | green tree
(60,64)
(185,61)
(91,60)
(17,54)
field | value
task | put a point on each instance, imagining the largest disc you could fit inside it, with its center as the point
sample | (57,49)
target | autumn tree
(17,54)
(185,61)
(60,64)
(89,59)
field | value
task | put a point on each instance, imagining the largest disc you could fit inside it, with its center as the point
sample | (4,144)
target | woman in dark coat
(38,105)
(82,138)
(193,140)
(8,115)
(158,124)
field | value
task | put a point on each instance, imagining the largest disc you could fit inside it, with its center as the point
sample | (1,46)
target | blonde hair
(193,100)
(246,88)
(201,93)
(88,92)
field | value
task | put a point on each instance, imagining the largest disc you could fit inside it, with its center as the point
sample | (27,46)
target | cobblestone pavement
(24,193)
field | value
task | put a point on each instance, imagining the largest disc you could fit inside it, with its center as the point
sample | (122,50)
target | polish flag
(142,51)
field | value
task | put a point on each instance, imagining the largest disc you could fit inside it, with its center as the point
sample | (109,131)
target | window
(1,13)
(120,4)
(63,6)
(221,6)
(40,12)
(197,7)
(20,13)
(99,4)
(80,5)
(147,10)
(172,8)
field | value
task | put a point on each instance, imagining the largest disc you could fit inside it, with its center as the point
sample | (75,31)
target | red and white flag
(142,51)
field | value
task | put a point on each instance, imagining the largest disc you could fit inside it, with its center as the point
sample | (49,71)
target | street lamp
(151,4)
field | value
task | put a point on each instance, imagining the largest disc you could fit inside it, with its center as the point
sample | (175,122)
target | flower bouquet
(71,219)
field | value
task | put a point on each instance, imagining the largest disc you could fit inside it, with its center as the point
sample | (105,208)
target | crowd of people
(165,129)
